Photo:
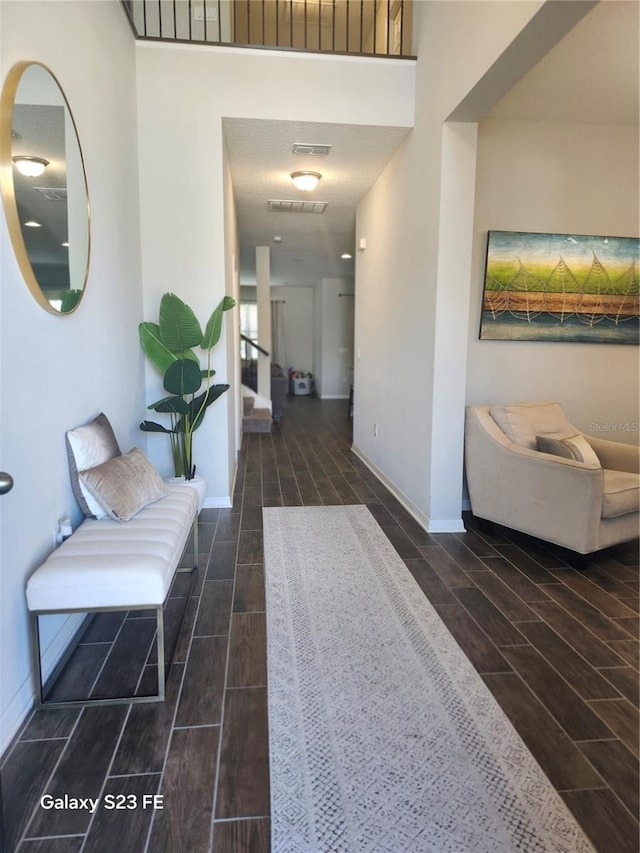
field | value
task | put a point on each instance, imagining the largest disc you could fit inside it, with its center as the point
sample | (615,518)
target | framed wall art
(561,287)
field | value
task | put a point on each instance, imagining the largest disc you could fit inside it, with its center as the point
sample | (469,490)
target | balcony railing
(361,27)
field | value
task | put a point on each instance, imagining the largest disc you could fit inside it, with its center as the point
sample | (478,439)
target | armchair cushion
(522,422)
(621,493)
(569,447)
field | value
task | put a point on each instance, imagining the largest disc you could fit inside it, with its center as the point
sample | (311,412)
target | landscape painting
(561,287)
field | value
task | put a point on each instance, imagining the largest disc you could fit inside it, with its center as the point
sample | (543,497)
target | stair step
(247,405)
(258,421)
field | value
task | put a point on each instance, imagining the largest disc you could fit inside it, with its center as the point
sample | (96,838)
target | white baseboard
(334,397)
(217,503)
(14,715)
(454,525)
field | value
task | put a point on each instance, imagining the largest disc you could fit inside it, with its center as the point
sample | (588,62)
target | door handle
(6,482)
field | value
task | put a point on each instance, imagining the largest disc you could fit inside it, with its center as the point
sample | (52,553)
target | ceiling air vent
(315,149)
(281,205)
(53,193)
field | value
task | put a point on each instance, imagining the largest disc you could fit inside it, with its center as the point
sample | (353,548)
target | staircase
(254,420)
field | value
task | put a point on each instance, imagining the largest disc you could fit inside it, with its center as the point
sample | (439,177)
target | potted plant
(169,345)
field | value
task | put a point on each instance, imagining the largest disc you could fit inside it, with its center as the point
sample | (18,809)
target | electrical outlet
(208,14)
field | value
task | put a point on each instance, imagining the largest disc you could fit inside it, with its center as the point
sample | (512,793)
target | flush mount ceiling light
(306,181)
(346,256)
(33,224)
(32,167)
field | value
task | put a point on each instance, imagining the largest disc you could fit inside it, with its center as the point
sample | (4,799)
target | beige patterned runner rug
(383,738)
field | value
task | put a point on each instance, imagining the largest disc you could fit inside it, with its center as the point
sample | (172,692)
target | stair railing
(249,359)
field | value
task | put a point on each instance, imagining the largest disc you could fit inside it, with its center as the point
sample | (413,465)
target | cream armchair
(585,499)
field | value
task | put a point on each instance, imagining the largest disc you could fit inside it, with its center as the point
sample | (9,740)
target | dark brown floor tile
(430,583)
(146,734)
(595,595)
(250,548)
(540,551)
(249,592)
(123,666)
(621,718)
(515,580)
(604,819)
(252,496)
(491,620)
(627,649)
(184,640)
(585,613)
(78,676)
(499,593)
(222,562)
(271,490)
(584,679)
(625,678)
(70,844)
(203,685)
(618,767)
(472,640)
(575,715)
(103,627)
(124,828)
(243,786)
(632,603)
(477,544)
(252,835)
(251,518)
(91,747)
(608,579)
(526,564)
(247,651)
(596,652)
(50,723)
(401,542)
(209,515)
(445,566)
(631,624)
(465,558)
(24,776)
(214,615)
(189,779)
(559,757)
(414,531)
(228,527)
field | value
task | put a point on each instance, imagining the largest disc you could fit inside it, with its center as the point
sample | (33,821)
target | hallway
(557,647)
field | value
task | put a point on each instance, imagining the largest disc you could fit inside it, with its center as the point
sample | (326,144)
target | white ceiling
(261,160)
(590,76)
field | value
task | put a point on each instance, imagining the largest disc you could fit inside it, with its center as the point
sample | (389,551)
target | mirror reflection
(44,187)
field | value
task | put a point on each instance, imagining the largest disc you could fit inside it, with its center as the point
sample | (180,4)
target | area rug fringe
(383,738)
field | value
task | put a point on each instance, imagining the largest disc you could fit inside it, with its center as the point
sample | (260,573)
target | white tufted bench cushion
(106,564)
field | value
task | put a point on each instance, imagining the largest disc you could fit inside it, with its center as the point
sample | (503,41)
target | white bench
(106,565)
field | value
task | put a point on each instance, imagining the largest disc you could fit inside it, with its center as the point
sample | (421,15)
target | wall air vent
(282,205)
(315,149)
(53,193)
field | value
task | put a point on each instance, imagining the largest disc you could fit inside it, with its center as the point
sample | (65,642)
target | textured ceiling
(261,160)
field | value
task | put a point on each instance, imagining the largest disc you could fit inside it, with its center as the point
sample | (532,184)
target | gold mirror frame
(7,186)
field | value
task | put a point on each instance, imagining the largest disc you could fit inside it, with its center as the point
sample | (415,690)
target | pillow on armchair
(569,447)
(523,422)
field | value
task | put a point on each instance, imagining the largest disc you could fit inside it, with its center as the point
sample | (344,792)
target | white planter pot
(198,483)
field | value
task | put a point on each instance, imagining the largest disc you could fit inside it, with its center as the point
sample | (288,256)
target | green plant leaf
(150,426)
(153,347)
(199,405)
(170,404)
(182,377)
(214,326)
(179,326)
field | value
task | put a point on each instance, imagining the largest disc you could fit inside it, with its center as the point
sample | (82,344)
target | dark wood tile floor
(557,647)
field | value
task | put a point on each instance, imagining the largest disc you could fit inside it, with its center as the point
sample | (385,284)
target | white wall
(579,179)
(233,397)
(298,325)
(336,337)
(59,371)
(413,278)
(183,93)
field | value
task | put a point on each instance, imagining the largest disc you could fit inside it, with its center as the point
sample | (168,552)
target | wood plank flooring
(557,647)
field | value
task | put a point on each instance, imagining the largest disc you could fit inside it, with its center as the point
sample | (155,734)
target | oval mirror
(44,188)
